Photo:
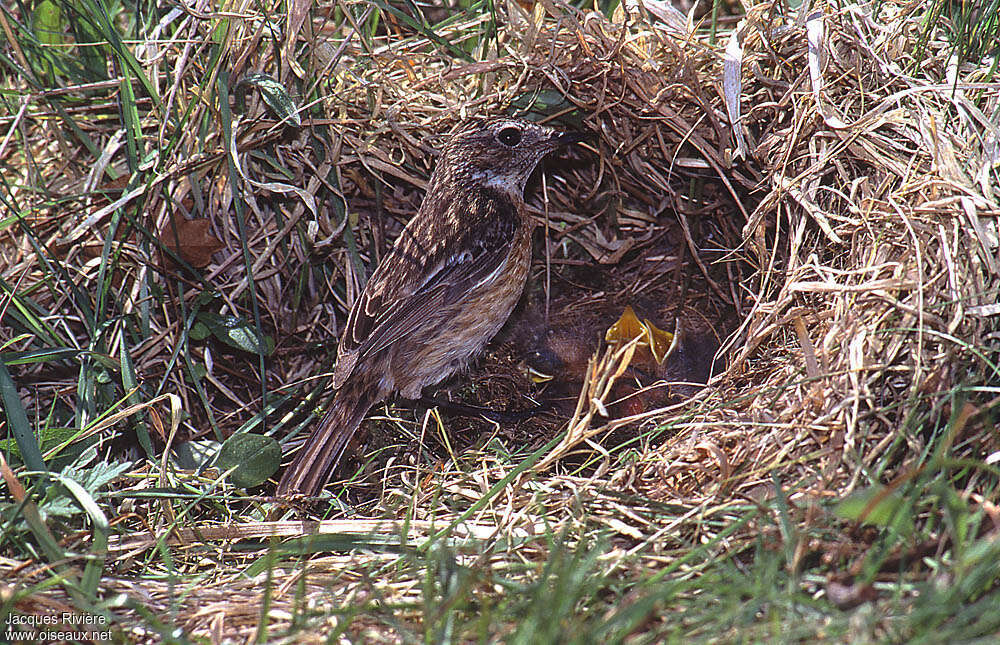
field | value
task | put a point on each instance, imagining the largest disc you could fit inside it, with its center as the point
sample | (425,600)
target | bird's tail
(317,459)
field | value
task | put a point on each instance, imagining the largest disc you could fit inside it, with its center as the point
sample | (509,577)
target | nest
(847,225)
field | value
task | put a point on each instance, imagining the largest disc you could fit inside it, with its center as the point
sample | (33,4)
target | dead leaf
(191,239)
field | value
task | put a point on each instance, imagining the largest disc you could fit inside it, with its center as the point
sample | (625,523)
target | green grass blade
(17,421)
(99,548)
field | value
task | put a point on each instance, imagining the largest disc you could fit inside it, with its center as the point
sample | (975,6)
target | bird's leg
(496,416)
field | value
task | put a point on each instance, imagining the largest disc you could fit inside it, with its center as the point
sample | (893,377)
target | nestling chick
(558,351)
(447,286)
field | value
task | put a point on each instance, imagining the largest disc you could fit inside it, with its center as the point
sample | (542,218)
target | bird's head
(500,152)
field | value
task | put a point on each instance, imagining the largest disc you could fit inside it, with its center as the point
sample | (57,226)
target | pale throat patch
(513,185)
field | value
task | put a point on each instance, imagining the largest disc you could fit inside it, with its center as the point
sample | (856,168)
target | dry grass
(853,233)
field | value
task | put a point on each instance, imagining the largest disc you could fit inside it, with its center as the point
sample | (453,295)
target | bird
(446,287)
(556,339)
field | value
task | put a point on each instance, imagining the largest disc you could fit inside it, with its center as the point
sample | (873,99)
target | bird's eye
(509,136)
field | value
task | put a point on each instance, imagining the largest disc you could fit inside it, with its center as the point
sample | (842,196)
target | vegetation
(194,193)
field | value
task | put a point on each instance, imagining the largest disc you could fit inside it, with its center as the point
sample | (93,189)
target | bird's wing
(437,259)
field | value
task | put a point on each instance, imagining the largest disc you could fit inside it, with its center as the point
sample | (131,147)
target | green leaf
(194,455)
(237,332)
(199,371)
(133,130)
(878,507)
(255,457)
(47,541)
(274,95)
(104,26)
(541,105)
(130,383)
(99,545)
(47,23)
(24,312)
(39,355)
(48,438)
(199,331)
(17,421)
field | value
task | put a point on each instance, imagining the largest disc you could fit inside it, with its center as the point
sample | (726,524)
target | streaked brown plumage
(447,286)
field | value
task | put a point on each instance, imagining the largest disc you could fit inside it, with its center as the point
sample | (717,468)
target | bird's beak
(566,138)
